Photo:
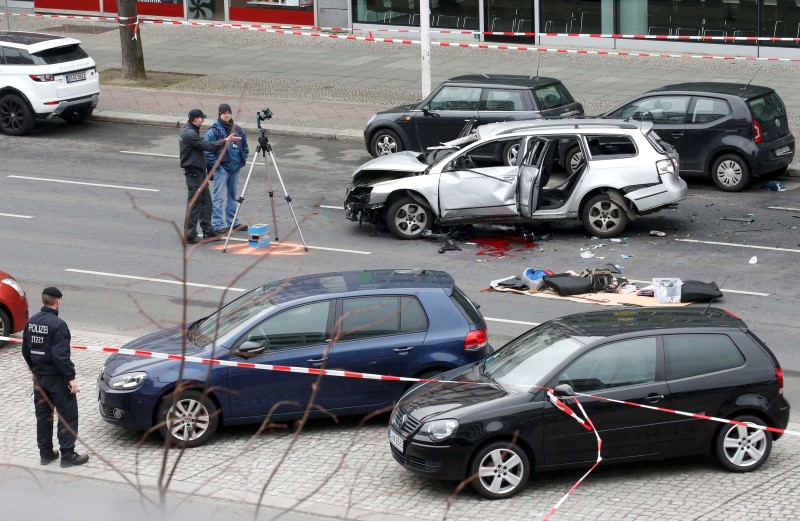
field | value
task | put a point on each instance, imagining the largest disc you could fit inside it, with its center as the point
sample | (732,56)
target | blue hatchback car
(414,323)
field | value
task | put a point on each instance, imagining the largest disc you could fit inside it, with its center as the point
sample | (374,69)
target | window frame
(667,349)
(328,327)
(400,296)
(691,113)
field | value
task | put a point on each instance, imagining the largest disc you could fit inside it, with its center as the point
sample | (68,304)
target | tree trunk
(132,55)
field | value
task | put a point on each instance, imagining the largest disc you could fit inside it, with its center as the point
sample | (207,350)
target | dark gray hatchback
(484,98)
(497,432)
(728,131)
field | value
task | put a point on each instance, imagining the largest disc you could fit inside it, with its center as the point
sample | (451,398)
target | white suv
(44,76)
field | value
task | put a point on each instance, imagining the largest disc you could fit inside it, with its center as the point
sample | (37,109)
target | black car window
(68,53)
(692,355)
(468,309)
(301,326)
(610,147)
(707,110)
(14,56)
(456,98)
(659,109)
(629,362)
(767,107)
(552,96)
(498,99)
(233,315)
(366,317)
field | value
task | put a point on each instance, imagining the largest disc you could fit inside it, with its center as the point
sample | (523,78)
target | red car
(13,305)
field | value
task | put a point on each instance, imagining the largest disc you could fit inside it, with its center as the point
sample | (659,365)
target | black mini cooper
(497,425)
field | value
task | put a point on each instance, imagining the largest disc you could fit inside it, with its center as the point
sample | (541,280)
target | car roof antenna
(705,313)
(751,79)
(538,62)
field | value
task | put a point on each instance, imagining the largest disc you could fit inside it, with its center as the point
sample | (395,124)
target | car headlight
(371,119)
(128,381)
(14,284)
(440,429)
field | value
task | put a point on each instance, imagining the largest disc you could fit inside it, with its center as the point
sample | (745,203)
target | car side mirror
(250,349)
(564,391)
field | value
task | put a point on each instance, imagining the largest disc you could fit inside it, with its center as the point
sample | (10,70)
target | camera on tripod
(263,115)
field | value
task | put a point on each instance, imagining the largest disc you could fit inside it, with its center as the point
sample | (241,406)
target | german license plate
(76,76)
(782,151)
(396,440)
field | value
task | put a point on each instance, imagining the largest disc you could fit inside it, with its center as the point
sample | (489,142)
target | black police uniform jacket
(192,147)
(45,345)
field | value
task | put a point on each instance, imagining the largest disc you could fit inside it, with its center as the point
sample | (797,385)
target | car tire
(500,470)
(385,142)
(730,173)
(510,152)
(603,217)
(191,421)
(572,159)
(408,219)
(6,326)
(78,116)
(743,449)
(16,117)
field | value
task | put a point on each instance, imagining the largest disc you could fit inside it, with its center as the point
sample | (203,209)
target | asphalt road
(93,239)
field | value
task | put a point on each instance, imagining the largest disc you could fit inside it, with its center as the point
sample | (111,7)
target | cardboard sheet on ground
(603,299)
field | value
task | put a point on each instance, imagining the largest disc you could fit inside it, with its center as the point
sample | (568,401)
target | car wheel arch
(712,158)
(506,438)
(10,316)
(615,195)
(195,386)
(399,194)
(747,411)
(394,128)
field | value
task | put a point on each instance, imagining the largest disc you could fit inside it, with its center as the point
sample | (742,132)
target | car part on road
(730,173)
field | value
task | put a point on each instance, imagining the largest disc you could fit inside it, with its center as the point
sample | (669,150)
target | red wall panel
(151,9)
(71,5)
(279,16)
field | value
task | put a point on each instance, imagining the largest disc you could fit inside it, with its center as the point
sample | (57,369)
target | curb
(347,136)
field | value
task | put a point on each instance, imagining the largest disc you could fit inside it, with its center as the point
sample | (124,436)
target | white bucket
(667,290)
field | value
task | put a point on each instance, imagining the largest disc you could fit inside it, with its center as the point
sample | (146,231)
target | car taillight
(779,375)
(665,166)
(42,77)
(476,340)
(757,132)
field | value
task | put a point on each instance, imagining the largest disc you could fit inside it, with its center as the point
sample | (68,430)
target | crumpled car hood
(392,166)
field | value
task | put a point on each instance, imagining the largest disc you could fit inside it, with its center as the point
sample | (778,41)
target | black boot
(73,459)
(46,459)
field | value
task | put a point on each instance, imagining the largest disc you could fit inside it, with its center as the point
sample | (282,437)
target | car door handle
(654,397)
(314,360)
(677,134)
(402,350)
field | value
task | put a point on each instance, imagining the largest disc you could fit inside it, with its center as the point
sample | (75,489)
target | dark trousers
(200,212)
(56,390)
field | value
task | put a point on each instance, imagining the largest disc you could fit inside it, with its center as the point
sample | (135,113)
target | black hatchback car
(728,131)
(688,359)
(483,98)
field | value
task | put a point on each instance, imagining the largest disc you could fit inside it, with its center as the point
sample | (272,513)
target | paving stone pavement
(347,471)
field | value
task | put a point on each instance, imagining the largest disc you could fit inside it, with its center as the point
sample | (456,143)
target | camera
(264,114)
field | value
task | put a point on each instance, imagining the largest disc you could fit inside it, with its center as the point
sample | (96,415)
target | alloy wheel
(12,114)
(605,216)
(411,218)
(501,471)
(188,419)
(386,145)
(744,446)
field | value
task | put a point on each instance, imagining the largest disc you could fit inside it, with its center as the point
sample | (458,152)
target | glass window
(551,96)
(468,309)
(15,56)
(297,327)
(659,109)
(691,355)
(456,98)
(610,147)
(707,110)
(498,99)
(452,14)
(232,315)
(630,362)
(365,317)
(767,107)
(60,55)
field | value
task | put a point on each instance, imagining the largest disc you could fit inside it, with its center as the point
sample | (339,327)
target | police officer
(45,346)
(193,161)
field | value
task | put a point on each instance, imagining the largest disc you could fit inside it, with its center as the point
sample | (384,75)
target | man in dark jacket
(226,176)
(193,162)
(46,349)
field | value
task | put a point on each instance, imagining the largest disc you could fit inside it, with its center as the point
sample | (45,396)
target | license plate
(782,151)
(76,76)
(396,440)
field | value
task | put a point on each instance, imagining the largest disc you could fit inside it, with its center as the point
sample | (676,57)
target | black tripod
(265,148)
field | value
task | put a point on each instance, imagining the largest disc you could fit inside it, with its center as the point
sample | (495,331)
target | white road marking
(331,207)
(783,208)
(313,247)
(171,156)
(149,279)
(507,321)
(741,292)
(17,216)
(740,245)
(84,184)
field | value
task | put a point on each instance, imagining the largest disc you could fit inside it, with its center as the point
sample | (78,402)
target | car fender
(20,90)
(423,189)
(391,125)
(733,144)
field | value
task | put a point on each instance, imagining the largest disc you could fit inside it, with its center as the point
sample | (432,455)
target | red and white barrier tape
(268,29)
(389,378)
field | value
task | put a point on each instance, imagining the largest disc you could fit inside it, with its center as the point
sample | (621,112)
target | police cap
(53,292)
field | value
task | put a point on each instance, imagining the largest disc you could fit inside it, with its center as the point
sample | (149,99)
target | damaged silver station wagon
(625,171)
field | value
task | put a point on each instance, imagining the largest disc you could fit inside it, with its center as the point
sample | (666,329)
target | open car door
(529,177)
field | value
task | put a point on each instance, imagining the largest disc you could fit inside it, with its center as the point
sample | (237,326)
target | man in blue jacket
(226,176)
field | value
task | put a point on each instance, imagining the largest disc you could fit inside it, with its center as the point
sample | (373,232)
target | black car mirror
(564,391)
